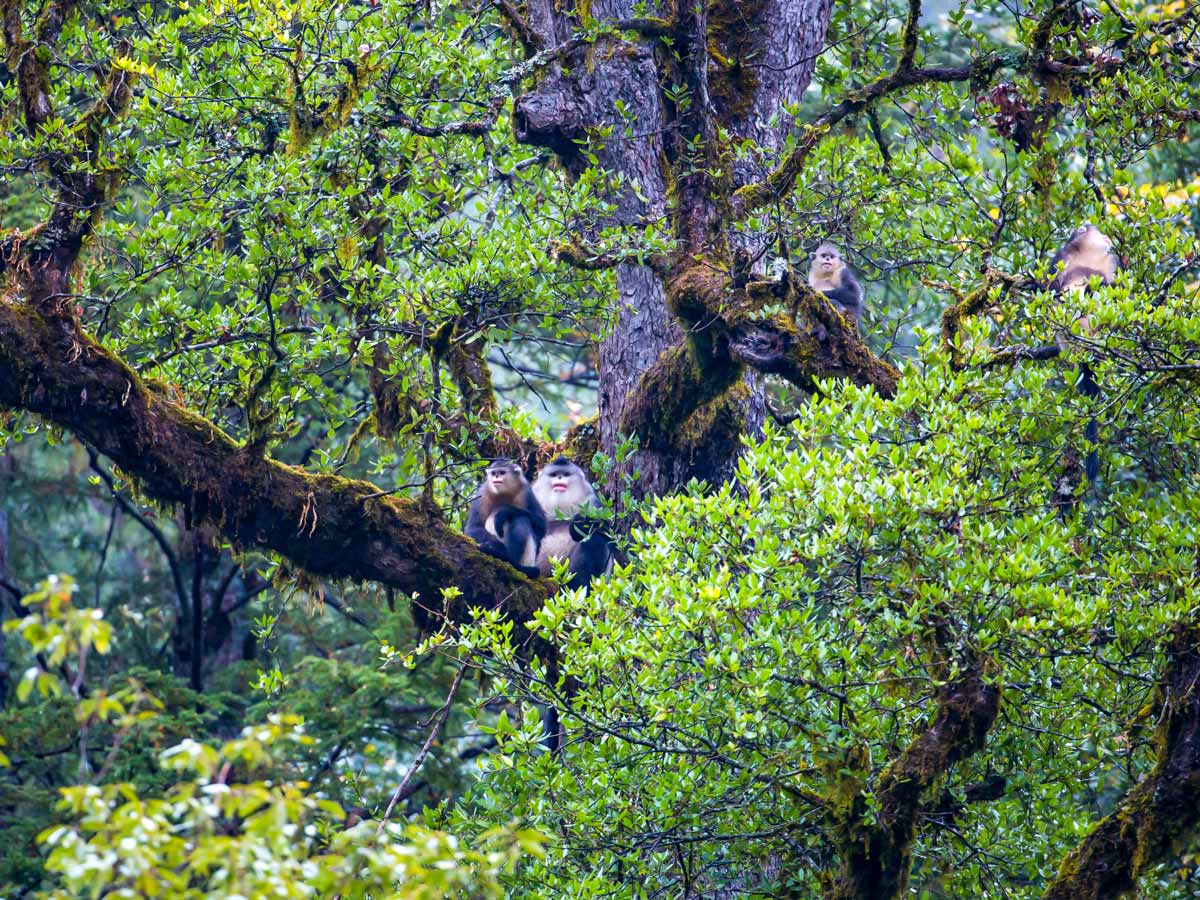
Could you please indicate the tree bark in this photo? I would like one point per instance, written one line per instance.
(1163, 809)
(876, 850)
(778, 39)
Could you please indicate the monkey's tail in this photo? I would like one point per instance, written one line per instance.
(1091, 432)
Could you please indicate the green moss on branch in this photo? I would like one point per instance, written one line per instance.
(330, 526)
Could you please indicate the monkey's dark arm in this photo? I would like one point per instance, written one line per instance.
(532, 512)
(1091, 431)
(848, 297)
(515, 524)
(590, 559)
(477, 531)
(594, 549)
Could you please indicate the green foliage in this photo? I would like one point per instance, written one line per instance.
(743, 686)
(217, 835)
(215, 830)
(301, 217)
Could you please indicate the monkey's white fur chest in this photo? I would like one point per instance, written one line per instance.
(821, 281)
(557, 544)
(560, 507)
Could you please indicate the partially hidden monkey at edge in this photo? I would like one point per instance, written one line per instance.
(506, 520)
(830, 275)
(1087, 254)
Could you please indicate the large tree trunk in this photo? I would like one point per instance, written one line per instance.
(768, 50)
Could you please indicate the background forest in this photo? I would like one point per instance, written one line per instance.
(277, 278)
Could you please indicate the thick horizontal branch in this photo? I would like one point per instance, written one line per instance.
(1163, 810)
(332, 527)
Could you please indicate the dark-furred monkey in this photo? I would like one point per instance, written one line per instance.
(831, 276)
(563, 490)
(506, 520)
(1087, 254)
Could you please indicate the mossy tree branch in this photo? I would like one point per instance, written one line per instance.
(1163, 809)
(331, 527)
(28, 58)
(729, 329)
(876, 848)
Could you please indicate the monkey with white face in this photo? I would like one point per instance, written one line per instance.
(506, 520)
(563, 490)
(1087, 254)
(831, 276)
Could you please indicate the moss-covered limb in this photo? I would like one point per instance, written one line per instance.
(43, 258)
(469, 370)
(1163, 809)
(875, 851)
(726, 332)
(306, 122)
(669, 392)
(29, 58)
(578, 256)
(912, 30)
(1010, 356)
(332, 527)
(815, 341)
(972, 304)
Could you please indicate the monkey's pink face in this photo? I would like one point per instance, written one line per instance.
(503, 479)
(1095, 241)
(560, 484)
(828, 261)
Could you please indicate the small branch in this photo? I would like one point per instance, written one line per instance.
(530, 42)
(580, 257)
(155, 532)
(471, 127)
(440, 721)
(197, 669)
(1013, 355)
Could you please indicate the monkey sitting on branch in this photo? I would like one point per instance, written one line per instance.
(505, 519)
(1087, 254)
(830, 275)
(563, 490)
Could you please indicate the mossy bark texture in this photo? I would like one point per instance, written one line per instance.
(330, 526)
(875, 850)
(1163, 809)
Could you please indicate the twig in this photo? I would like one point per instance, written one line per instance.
(440, 720)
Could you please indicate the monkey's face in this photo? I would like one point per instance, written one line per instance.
(1090, 240)
(1095, 241)
(562, 487)
(504, 479)
(829, 261)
